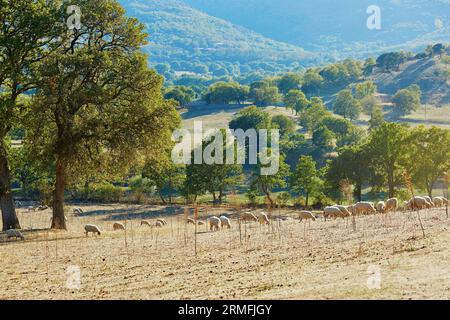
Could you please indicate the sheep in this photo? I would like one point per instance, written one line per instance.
(306, 215)
(429, 200)
(248, 216)
(190, 221)
(332, 212)
(118, 226)
(344, 210)
(391, 205)
(42, 208)
(14, 233)
(381, 207)
(226, 222)
(263, 219)
(145, 223)
(91, 228)
(438, 202)
(418, 203)
(77, 211)
(364, 207)
(443, 200)
(163, 221)
(214, 223)
(159, 224)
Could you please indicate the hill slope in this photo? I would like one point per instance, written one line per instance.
(189, 39)
(339, 27)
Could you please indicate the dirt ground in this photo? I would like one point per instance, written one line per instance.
(386, 258)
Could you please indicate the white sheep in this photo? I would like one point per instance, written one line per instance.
(118, 226)
(159, 224)
(381, 207)
(418, 203)
(364, 207)
(429, 200)
(332, 212)
(263, 219)
(438, 202)
(14, 233)
(77, 211)
(306, 215)
(214, 223)
(91, 228)
(391, 205)
(344, 210)
(226, 222)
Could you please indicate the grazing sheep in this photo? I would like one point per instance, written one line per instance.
(30, 208)
(91, 228)
(344, 210)
(14, 233)
(443, 200)
(419, 203)
(118, 226)
(77, 211)
(429, 200)
(42, 208)
(306, 215)
(391, 205)
(145, 223)
(190, 221)
(381, 207)
(438, 202)
(226, 222)
(364, 207)
(214, 223)
(163, 221)
(248, 216)
(159, 224)
(332, 212)
(263, 219)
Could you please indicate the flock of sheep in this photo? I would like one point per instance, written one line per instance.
(329, 212)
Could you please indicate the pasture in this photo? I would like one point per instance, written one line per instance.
(286, 260)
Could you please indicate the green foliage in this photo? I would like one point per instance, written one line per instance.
(407, 100)
(263, 93)
(306, 179)
(323, 138)
(376, 118)
(296, 100)
(285, 124)
(181, 94)
(312, 82)
(346, 105)
(365, 89)
(430, 156)
(313, 115)
(226, 92)
(391, 61)
(251, 118)
(288, 82)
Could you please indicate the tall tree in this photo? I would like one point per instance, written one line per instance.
(28, 29)
(98, 97)
(388, 148)
(431, 156)
(346, 105)
(306, 179)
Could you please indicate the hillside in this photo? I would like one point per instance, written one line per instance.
(338, 28)
(430, 74)
(190, 40)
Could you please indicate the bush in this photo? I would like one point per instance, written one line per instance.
(107, 192)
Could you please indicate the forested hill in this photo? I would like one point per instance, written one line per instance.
(190, 40)
(338, 28)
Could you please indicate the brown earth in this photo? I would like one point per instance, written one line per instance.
(288, 260)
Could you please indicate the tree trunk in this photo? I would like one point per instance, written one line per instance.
(358, 192)
(162, 197)
(307, 199)
(9, 216)
(59, 221)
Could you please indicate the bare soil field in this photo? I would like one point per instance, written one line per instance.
(286, 260)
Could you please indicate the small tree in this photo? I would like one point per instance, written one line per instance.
(346, 105)
(306, 178)
(407, 100)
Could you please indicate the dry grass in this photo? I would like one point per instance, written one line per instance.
(288, 260)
